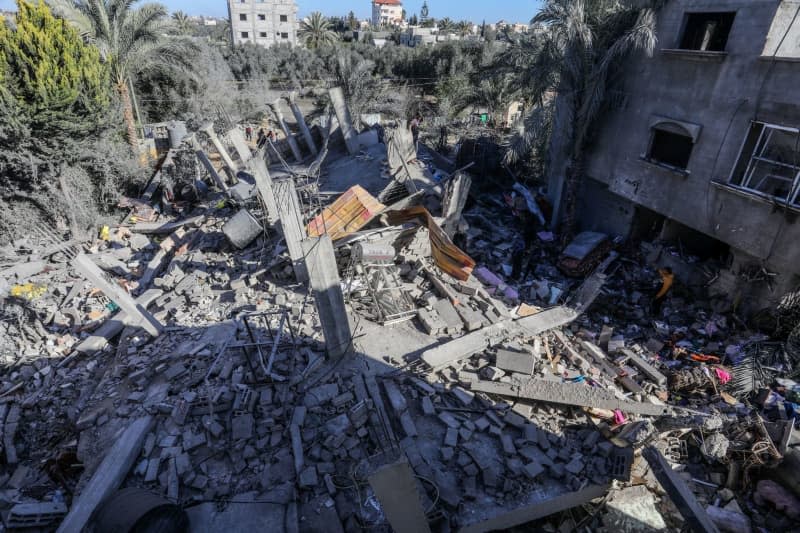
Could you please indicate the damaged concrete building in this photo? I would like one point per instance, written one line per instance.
(700, 148)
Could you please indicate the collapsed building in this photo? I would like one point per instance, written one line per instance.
(700, 149)
(326, 333)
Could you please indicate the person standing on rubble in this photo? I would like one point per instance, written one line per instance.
(248, 133)
(414, 126)
(667, 279)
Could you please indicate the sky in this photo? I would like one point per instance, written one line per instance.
(474, 10)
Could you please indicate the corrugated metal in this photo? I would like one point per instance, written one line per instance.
(349, 213)
(447, 255)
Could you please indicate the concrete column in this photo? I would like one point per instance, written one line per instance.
(276, 110)
(208, 129)
(125, 301)
(301, 122)
(258, 168)
(203, 158)
(292, 225)
(240, 144)
(324, 276)
(345, 120)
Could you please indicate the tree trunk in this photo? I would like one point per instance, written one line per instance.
(572, 184)
(127, 110)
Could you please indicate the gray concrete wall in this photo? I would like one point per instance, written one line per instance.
(721, 93)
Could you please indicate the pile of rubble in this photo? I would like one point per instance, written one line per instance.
(258, 358)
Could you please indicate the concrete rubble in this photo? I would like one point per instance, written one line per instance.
(334, 386)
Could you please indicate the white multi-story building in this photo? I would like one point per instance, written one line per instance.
(263, 22)
(387, 13)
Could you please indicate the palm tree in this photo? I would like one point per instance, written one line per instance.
(446, 24)
(315, 31)
(577, 57)
(131, 41)
(183, 24)
(464, 27)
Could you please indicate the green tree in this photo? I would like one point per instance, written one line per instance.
(183, 24)
(464, 27)
(582, 45)
(315, 31)
(446, 24)
(131, 41)
(352, 21)
(56, 85)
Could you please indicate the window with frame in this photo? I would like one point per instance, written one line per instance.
(262, 16)
(769, 162)
(242, 16)
(284, 18)
(284, 35)
(245, 35)
(262, 34)
(670, 145)
(707, 32)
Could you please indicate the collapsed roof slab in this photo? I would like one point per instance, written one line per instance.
(575, 394)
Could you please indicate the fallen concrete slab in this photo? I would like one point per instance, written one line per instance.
(463, 347)
(396, 490)
(537, 510)
(575, 394)
(108, 476)
(679, 493)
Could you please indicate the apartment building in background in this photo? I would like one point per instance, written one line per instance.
(263, 22)
(701, 148)
(387, 13)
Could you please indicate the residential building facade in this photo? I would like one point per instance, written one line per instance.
(387, 13)
(263, 22)
(702, 145)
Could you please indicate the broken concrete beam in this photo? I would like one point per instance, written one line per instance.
(323, 273)
(515, 361)
(444, 290)
(575, 394)
(574, 357)
(538, 509)
(345, 120)
(292, 225)
(301, 122)
(679, 492)
(125, 301)
(472, 343)
(158, 228)
(646, 368)
(297, 448)
(108, 476)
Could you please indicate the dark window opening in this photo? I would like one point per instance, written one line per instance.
(262, 34)
(245, 35)
(242, 17)
(670, 148)
(284, 35)
(262, 16)
(284, 18)
(707, 32)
